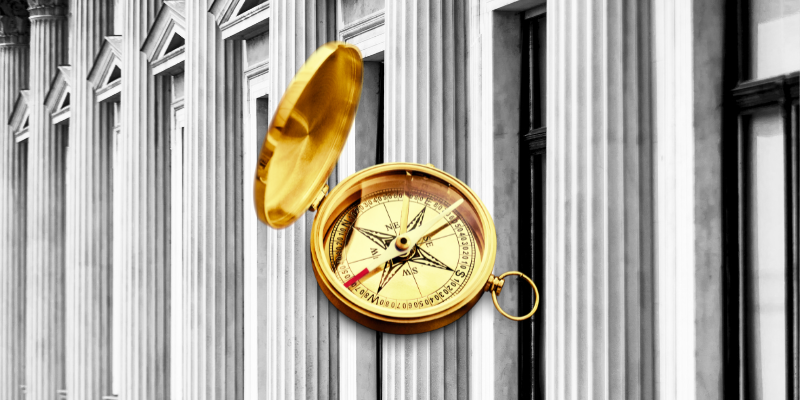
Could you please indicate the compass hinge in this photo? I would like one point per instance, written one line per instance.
(320, 196)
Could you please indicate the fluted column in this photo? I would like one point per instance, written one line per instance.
(14, 68)
(599, 267)
(142, 184)
(89, 208)
(303, 326)
(46, 208)
(212, 187)
(426, 122)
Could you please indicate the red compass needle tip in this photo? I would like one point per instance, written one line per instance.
(356, 277)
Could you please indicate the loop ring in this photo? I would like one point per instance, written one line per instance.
(535, 304)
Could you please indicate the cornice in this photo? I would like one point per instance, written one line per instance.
(235, 22)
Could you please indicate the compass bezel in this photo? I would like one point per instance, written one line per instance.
(419, 321)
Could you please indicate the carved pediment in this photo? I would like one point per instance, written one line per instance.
(57, 100)
(241, 19)
(20, 116)
(106, 73)
(165, 45)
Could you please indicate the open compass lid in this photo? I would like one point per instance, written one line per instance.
(307, 134)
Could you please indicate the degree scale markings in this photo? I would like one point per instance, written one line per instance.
(453, 270)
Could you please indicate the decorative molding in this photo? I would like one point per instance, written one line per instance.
(261, 68)
(105, 73)
(20, 117)
(41, 9)
(57, 99)
(165, 58)
(368, 33)
(537, 139)
(752, 95)
(237, 24)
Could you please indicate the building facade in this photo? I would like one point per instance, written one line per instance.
(639, 159)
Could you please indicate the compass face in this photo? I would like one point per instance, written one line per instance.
(433, 274)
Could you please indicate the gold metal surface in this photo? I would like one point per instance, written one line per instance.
(440, 277)
(495, 289)
(307, 134)
(414, 245)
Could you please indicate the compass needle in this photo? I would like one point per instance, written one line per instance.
(404, 213)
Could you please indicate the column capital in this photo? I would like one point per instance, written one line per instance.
(47, 8)
(14, 30)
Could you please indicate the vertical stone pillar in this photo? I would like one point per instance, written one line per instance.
(89, 238)
(303, 343)
(46, 208)
(14, 68)
(212, 187)
(426, 122)
(599, 268)
(142, 250)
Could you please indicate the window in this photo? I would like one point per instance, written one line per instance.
(760, 172)
(532, 201)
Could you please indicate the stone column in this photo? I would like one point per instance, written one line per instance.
(599, 244)
(14, 69)
(89, 208)
(303, 329)
(212, 187)
(46, 208)
(142, 184)
(426, 122)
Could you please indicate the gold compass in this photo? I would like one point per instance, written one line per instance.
(400, 247)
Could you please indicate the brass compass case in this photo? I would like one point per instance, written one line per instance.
(435, 282)
(402, 247)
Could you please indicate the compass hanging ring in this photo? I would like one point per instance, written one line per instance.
(496, 284)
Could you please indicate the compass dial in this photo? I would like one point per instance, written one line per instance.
(441, 270)
(429, 274)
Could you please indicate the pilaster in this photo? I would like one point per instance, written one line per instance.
(599, 243)
(426, 122)
(14, 69)
(46, 208)
(89, 212)
(142, 184)
(213, 335)
(303, 327)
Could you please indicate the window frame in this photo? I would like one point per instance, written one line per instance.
(742, 98)
(532, 169)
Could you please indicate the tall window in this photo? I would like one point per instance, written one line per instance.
(761, 192)
(533, 142)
